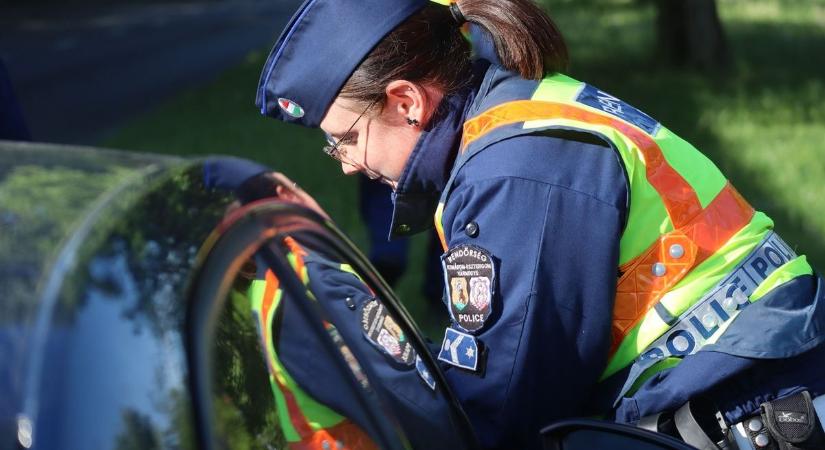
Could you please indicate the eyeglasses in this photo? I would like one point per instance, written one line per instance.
(334, 150)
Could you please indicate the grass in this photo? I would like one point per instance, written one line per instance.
(762, 121)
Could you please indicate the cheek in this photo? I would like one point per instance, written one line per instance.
(395, 146)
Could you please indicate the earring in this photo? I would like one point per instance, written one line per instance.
(413, 122)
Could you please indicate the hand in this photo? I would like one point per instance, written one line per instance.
(288, 190)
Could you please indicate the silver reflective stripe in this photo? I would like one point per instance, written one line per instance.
(741, 437)
(819, 406)
(703, 321)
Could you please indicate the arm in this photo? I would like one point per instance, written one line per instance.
(554, 237)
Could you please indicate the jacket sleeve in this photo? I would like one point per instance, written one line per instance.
(554, 238)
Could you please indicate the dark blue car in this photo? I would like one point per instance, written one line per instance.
(121, 325)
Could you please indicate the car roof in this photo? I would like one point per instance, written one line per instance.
(46, 192)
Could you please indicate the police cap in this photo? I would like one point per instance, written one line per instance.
(320, 48)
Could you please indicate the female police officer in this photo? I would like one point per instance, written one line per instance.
(544, 189)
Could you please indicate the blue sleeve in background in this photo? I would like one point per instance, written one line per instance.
(12, 124)
(229, 173)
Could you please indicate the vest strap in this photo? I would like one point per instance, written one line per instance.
(680, 199)
(649, 277)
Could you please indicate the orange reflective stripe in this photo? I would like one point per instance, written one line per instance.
(679, 198)
(639, 289)
(299, 253)
(271, 287)
(344, 436)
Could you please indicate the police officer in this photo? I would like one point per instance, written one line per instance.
(595, 263)
(316, 410)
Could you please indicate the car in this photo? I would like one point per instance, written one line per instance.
(126, 320)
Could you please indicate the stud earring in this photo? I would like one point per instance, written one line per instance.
(413, 122)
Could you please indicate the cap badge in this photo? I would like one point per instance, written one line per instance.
(291, 108)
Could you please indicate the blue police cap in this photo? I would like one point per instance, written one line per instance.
(320, 48)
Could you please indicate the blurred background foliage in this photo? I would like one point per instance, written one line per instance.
(752, 101)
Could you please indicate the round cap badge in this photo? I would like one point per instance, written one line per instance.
(291, 108)
(382, 331)
(470, 274)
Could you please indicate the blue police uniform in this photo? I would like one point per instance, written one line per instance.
(535, 219)
(550, 209)
(401, 379)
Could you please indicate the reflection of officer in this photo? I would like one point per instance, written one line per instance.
(315, 410)
(544, 188)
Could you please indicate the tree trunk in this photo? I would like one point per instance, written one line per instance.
(690, 34)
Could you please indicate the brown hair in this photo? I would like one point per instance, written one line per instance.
(428, 48)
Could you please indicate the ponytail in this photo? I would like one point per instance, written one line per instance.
(525, 38)
(429, 49)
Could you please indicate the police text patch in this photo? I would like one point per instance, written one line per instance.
(601, 100)
(469, 275)
(385, 334)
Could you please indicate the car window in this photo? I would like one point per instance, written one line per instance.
(309, 348)
(244, 406)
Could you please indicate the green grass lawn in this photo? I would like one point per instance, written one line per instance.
(762, 122)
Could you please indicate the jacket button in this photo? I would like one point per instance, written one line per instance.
(350, 303)
(762, 440)
(471, 229)
(659, 269)
(403, 228)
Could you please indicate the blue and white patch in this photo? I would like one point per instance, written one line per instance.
(459, 349)
(425, 374)
(603, 101)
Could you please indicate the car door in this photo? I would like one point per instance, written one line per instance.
(296, 342)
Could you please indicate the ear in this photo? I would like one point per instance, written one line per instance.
(408, 100)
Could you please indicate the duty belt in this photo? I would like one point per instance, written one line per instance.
(705, 320)
(793, 422)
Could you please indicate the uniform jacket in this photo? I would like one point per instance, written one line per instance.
(551, 208)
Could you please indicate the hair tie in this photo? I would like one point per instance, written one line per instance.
(457, 14)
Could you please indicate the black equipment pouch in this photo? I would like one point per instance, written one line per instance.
(793, 423)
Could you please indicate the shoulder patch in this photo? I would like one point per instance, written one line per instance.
(603, 101)
(469, 275)
(383, 333)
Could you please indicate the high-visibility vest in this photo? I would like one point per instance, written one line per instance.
(306, 423)
(687, 228)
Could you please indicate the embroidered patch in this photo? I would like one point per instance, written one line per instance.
(469, 275)
(459, 349)
(424, 373)
(291, 108)
(601, 100)
(385, 334)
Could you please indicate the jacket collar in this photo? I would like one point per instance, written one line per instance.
(430, 162)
